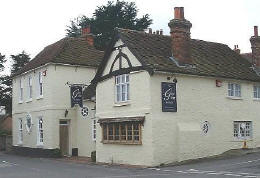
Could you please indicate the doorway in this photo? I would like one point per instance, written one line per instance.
(64, 137)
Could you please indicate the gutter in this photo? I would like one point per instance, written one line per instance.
(200, 76)
(51, 63)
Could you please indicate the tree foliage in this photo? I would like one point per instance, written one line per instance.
(2, 61)
(5, 96)
(106, 18)
(18, 61)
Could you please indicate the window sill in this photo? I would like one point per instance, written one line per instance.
(256, 99)
(19, 143)
(234, 98)
(20, 102)
(119, 104)
(39, 145)
(39, 97)
(29, 100)
(121, 142)
(242, 139)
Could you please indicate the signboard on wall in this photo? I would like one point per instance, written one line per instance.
(169, 101)
(76, 95)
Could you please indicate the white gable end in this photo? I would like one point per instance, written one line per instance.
(113, 63)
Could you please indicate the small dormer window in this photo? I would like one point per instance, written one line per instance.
(122, 88)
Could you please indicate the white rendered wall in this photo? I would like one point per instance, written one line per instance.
(56, 99)
(178, 136)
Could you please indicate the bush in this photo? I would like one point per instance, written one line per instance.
(93, 156)
(57, 153)
(4, 132)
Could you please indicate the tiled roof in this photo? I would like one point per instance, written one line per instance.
(211, 59)
(248, 56)
(74, 51)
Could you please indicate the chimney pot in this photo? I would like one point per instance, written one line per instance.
(161, 32)
(256, 31)
(179, 13)
(157, 32)
(85, 30)
(236, 49)
(150, 30)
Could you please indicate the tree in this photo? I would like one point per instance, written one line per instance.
(18, 62)
(106, 18)
(4, 91)
(2, 61)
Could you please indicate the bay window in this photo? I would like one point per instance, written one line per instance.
(122, 133)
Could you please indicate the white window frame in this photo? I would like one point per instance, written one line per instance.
(94, 129)
(20, 131)
(20, 90)
(40, 131)
(243, 130)
(30, 88)
(256, 92)
(234, 90)
(122, 85)
(40, 85)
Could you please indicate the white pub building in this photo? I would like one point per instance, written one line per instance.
(158, 99)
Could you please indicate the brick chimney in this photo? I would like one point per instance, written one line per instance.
(86, 33)
(255, 45)
(180, 34)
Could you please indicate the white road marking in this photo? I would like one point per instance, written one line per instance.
(139, 175)
(154, 169)
(234, 175)
(244, 173)
(193, 170)
(221, 173)
(215, 173)
(182, 172)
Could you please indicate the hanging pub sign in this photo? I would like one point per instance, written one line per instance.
(169, 102)
(76, 95)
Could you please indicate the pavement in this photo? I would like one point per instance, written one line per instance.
(245, 164)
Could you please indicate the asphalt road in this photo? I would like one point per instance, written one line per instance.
(12, 166)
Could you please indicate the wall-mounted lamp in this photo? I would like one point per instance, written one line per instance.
(66, 113)
(218, 83)
(174, 80)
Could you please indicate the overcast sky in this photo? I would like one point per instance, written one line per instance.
(31, 25)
